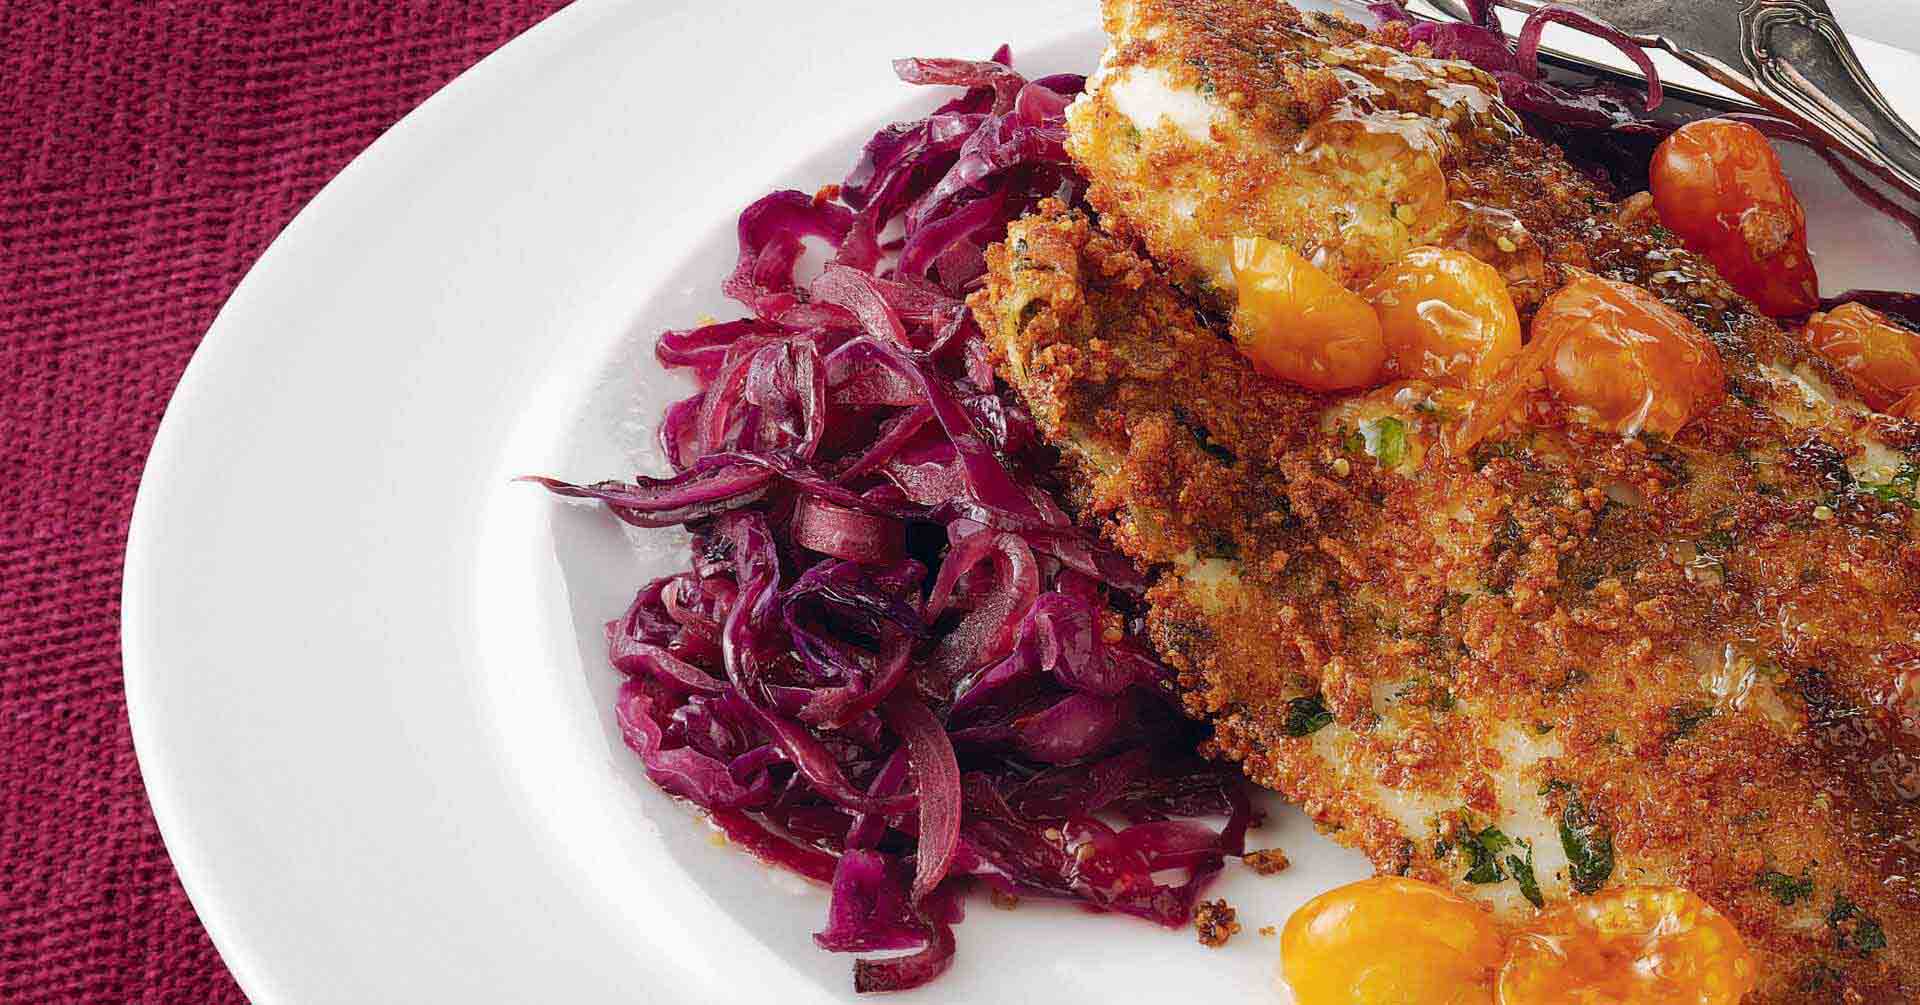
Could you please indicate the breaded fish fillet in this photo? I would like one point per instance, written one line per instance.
(1567, 660)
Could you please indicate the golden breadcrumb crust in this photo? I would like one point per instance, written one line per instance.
(1501, 637)
(1705, 648)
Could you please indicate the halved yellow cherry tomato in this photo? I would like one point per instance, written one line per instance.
(1628, 947)
(1717, 183)
(1295, 323)
(1882, 357)
(1390, 941)
(1446, 316)
(1636, 363)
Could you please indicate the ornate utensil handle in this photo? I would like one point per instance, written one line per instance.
(1796, 53)
(1787, 55)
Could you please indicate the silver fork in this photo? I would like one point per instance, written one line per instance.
(1788, 56)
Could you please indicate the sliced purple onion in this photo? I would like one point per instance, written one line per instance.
(846, 533)
(1527, 49)
(868, 909)
(936, 775)
(1005, 83)
(695, 494)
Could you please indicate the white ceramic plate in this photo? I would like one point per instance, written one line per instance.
(364, 668)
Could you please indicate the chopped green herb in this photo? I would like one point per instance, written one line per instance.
(1903, 488)
(1307, 716)
(1220, 546)
(1486, 452)
(1483, 850)
(1206, 85)
(1684, 719)
(1204, 438)
(1788, 890)
(1843, 908)
(1507, 537)
(1486, 864)
(1673, 464)
(1818, 977)
(1589, 846)
(1866, 936)
(1869, 936)
(1386, 440)
(1352, 442)
(1718, 540)
(1523, 874)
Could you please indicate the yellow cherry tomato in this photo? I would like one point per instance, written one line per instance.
(1634, 362)
(1628, 947)
(1882, 357)
(1390, 941)
(1446, 316)
(1295, 323)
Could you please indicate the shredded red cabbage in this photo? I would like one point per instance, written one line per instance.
(894, 664)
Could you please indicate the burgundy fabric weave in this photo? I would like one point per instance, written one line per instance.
(149, 151)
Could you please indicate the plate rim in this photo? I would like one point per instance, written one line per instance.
(159, 772)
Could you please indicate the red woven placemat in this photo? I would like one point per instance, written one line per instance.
(149, 151)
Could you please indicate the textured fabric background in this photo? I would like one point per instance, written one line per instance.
(149, 151)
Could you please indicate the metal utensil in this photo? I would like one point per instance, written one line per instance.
(1788, 56)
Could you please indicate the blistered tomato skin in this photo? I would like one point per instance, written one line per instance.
(1390, 941)
(1447, 317)
(1626, 947)
(1295, 323)
(1632, 362)
(1718, 185)
(1882, 357)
